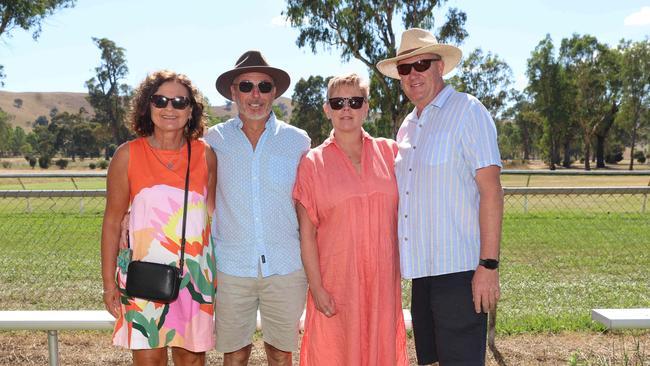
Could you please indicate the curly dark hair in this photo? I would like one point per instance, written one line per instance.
(140, 112)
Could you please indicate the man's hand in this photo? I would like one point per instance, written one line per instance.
(485, 289)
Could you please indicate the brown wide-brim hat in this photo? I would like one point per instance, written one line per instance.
(416, 41)
(253, 61)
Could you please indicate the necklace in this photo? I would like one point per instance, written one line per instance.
(169, 164)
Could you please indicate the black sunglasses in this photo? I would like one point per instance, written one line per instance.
(161, 101)
(419, 66)
(352, 102)
(264, 86)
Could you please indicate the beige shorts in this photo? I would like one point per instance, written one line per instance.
(280, 299)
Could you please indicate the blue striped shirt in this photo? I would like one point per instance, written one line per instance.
(439, 153)
(255, 220)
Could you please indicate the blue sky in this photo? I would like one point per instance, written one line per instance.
(203, 38)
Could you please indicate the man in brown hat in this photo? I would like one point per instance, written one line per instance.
(255, 229)
(451, 204)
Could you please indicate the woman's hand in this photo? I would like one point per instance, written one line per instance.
(112, 301)
(324, 301)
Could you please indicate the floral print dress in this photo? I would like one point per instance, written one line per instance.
(155, 224)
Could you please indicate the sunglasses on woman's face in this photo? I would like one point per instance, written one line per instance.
(161, 101)
(264, 86)
(352, 102)
(419, 66)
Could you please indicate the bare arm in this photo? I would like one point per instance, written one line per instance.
(117, 203)
(485, 284)
(309, 253)
(211, 159)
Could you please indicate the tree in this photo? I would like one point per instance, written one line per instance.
(5, 133)
(279, 112)
(307, 100)
(28, 15)
(584, 59)
(528, 121)
(364, 30)
(635, 75)
(106, 92)
(18, 141)
(486, 77)
(18, 103)
(40, 121)
(548, 91)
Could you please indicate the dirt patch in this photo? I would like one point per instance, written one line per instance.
(94, 348)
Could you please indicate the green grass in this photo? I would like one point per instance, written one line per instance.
(561, 257)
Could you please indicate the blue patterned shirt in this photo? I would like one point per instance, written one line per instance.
(255, 221)
(439, 153)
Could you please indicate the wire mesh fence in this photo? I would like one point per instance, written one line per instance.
(564, 251)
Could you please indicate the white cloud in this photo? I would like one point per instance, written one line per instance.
(640, 18)
(280, 21)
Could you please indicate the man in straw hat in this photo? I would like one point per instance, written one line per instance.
(255, 228)
(451, 204)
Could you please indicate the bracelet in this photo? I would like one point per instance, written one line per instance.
(110, 290)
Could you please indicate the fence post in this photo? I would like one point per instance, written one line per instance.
(29, 204)
(526, 196)
(53, 347)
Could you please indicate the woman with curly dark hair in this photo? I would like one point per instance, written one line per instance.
(147, 176)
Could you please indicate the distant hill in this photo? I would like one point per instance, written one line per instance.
(35, 104)
(26, 107)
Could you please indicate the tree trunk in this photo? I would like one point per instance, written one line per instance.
(566, 161)
(631, 167)
(587, 152)
(600, 151)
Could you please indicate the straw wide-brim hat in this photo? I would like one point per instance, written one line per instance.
(416, 41)
(253, 61)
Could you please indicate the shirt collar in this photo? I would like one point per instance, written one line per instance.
(332, 140)
(270, 122)
(438, 102)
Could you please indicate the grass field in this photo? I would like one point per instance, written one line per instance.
(561, 256)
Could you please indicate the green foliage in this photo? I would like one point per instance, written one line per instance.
(40, 121)
(28, 14)
(106, 92)
(6, 164)
(5, 133)
(92, 166)
(486, 77)
(308, 99)
(365, 30)
(586, 62)
(18, 103)
(548, 91)
(32, 162)
(279, 112)
(639, 156)
(61, 163)
(44, 161)
(103, 164)
(635, 75)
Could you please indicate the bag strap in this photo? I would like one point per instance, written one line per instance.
(187, 187)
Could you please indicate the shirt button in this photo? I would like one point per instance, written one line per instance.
(413, 147)
(420, 125)
(410, 169)
(406, 239)
(407, 192)
(406, 216)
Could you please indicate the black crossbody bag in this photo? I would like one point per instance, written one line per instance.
(155, 281)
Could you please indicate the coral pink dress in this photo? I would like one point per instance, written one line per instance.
(356, 220)
(157, 194)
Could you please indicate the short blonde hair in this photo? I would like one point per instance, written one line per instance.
(352, 80)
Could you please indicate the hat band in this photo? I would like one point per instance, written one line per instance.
(406, 52)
